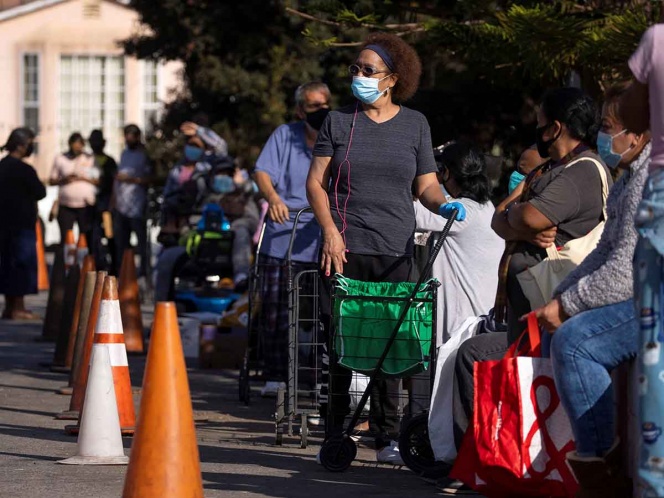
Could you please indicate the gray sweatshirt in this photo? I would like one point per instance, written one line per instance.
(606, 275)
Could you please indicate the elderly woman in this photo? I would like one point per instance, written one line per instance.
(592, 317)
(370, 159)
(20, 189)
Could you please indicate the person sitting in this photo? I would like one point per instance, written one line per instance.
(466, 290)
(529, 160)
(554, 205)
(187, 182)
(592, 316)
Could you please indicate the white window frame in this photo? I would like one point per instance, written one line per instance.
(23, 103)
(105, 123)
(156, 107)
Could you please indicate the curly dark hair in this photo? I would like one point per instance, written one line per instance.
(407, 63)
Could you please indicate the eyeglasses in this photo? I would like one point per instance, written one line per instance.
(368, 71)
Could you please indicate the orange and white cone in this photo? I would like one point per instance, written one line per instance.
(108, 335)
(99, 440)
(81, 248)
(70, 249)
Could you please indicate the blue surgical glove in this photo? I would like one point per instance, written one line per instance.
(445, 210)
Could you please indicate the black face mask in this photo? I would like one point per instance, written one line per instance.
(315, 119)
(543, 146)
(29, 150)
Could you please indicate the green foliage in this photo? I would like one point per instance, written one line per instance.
(485, 61)
(243, 62)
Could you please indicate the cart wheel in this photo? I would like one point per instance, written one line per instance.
(338, 453)
(304, 431)
(415, 448)
(279, 416)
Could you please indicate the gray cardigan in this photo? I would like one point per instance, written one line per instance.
(606, 275)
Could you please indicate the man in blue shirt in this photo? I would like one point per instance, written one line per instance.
(281, 174)
(131, 195)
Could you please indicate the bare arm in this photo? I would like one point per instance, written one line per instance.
(334, 248)
(278, 211)
(427, 190)
(526, 223)
(635, 108)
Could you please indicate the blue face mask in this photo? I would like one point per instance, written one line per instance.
(515, 178)
(366, 89)
(192, 153)
(223, 184)
(605, 149)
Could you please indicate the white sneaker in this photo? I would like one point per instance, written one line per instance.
(269, 390)
(390, 454)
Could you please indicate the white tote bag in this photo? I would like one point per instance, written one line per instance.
(441, 431)
(540, 281)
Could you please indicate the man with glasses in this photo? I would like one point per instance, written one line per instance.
(281, 173)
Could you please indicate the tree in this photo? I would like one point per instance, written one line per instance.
(242, 63)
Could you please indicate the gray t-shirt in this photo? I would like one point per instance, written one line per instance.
(572, 199)
(371, 185)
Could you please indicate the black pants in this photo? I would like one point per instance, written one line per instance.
(384, 415)
(83, 217)
(484, 347)
(123, 226)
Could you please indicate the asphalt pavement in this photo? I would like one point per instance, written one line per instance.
(236, 442)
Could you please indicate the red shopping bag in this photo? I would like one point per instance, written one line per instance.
(520, 434)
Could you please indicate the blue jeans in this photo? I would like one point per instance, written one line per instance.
(584, 350)
(649, 293)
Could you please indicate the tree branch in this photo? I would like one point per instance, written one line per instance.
(413, 26)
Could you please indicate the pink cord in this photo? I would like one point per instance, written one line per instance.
(342, 217)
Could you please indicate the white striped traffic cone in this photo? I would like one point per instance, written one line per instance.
(109, 335)
(99, 440)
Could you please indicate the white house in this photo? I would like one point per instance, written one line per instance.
(63, 70)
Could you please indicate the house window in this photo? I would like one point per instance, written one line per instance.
(30, 91)
(92, 95)
(150, 104)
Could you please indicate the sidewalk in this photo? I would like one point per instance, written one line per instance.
(236, 443)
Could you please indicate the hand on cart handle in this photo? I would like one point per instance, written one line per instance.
(451, 209)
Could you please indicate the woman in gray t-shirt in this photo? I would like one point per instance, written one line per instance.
(369, 160)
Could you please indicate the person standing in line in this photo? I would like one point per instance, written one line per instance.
(281, 173)
(20, 189)
(108, 168)
(75, 174)
(367, 215)
(130, 197)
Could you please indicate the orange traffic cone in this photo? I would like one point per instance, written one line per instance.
(164, 454)
(42, 270)
(86, 302)
(82, 371)
(66, 319)
(130, 304)
(70, 249)
(88, 266)
(108, 335)
(81, 248)
(56, 296)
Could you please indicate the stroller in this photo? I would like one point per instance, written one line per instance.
(338, 451)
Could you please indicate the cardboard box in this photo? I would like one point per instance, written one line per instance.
(222, 347)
